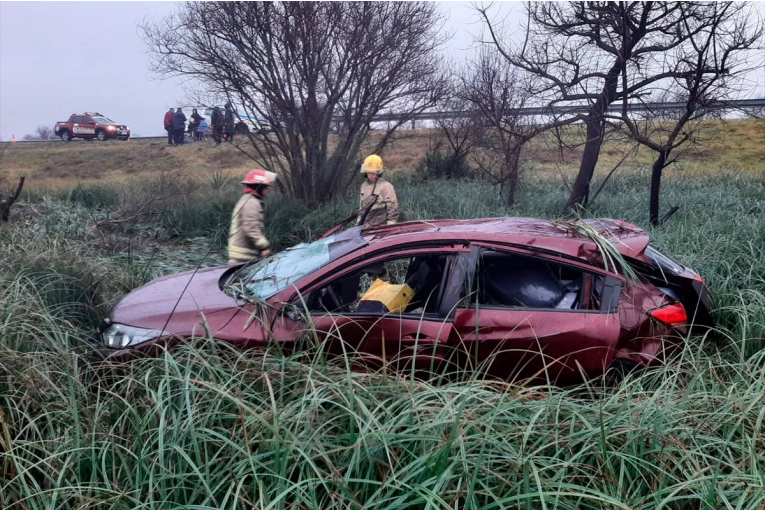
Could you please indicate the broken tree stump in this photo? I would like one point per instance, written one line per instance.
(6, 203)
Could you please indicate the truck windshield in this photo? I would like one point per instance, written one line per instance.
(103, 120)
(277, 272)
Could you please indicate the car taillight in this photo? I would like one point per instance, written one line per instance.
(670, 314)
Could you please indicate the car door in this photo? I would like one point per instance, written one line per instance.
(88, 126)
(527, 317)
(409, 326)
(78, 128)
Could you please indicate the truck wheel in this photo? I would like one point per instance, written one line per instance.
(101, 135)
(66, 136)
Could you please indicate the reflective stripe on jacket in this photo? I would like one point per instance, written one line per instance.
(247, 235)
(385, 210)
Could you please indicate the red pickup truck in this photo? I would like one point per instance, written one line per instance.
(89, 126)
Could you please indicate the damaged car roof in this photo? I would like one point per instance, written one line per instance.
(568, 238)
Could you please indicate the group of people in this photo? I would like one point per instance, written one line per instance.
(247, 239)
(223, 125)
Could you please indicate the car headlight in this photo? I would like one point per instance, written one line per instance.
(112, 128)
(120, 335)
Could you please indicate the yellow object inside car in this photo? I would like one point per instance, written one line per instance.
(394, 298)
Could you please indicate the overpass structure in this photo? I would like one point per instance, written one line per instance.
(741, 104)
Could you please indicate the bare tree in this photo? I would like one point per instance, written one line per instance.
(497, 92)
(317, 72)
(41, 133)
(451, 143)
(592, 54)
(713, 63)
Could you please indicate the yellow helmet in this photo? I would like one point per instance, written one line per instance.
(372, 165)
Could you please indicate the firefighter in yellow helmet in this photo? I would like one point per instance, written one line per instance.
(385, 209)
(247, 237)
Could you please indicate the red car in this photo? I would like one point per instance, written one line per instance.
(519, 298)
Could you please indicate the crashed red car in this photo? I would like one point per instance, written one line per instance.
(519, 298)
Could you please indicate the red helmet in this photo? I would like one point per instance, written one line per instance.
(260, 176)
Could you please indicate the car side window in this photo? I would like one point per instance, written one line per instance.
(510, 280)
(77, 120)
(405, 285)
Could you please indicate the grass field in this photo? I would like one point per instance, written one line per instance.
(207, 427)
(731, 145)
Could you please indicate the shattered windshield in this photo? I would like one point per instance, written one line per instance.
(277, 272)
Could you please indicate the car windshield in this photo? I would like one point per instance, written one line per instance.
(103, 120)
(277, 272)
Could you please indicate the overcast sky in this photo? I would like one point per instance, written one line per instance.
(59, 58)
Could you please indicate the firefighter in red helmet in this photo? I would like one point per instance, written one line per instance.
(247, 237)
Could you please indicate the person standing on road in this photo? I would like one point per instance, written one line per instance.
(230, 123)
(194, 122)
(195, 125)
(385, 209)
(179, 124)
(202, 132)
(169, 126)
(216, 119)
(247, 238)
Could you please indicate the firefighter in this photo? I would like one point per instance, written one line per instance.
(247, 238)
(385, 209)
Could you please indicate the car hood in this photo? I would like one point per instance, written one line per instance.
(177, 303)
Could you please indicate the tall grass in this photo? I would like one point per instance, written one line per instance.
(205, 426)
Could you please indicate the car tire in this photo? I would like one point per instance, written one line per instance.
(619, 369)
(66, 136)
(101, 135)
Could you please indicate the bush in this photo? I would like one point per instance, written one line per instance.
(439, 165)
(94, 197)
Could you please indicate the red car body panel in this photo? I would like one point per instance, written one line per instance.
(516, 343)
(179, 304)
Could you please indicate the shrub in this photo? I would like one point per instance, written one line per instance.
(95, 196)
(439, 165)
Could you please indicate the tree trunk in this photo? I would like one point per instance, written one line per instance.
(596, 128)
(581, 189)
(656, 171)
(513, 160)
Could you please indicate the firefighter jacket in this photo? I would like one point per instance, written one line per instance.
(247, 236)
(385, 210)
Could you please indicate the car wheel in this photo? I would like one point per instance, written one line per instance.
(619, 369)
(66, 136)
(101, 135)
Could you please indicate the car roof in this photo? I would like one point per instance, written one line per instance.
(565, 237)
